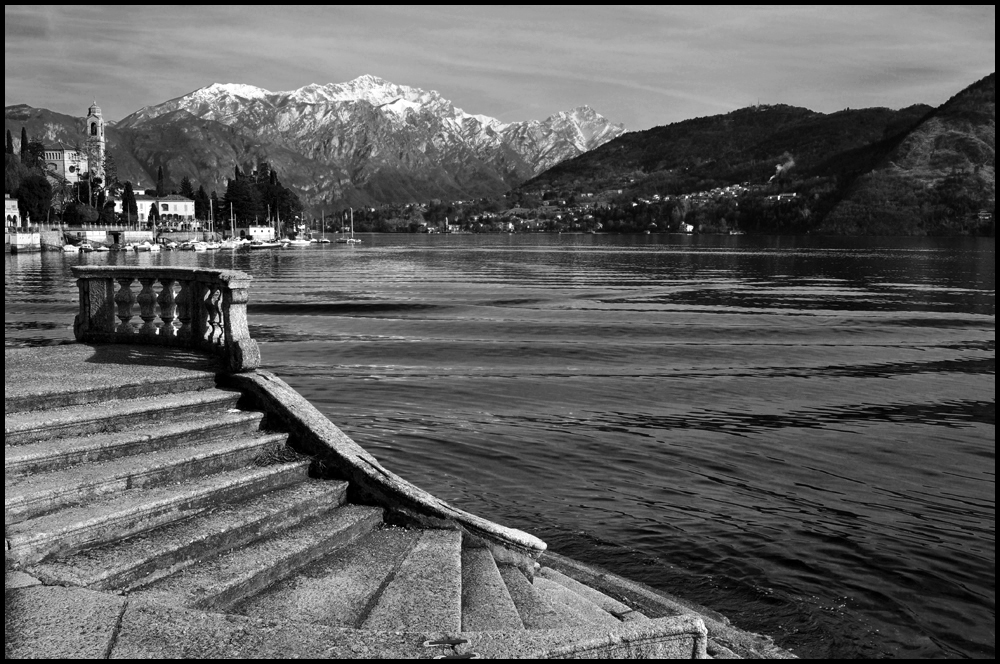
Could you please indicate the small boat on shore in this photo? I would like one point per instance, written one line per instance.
(257, 244)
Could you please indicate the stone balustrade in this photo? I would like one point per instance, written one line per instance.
(188, 308)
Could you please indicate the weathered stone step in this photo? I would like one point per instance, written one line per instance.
(68, 396)
(34, 495)
(486, 602)
(108, 417)
(585, 611)
(536, 612)
(219, 583)
(426, 593)
(147, 557)
(52, 455)
(608, 604)
(337, 590)
(120, 516)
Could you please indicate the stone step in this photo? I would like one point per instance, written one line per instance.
(536, 612)
(426, 593)
(220, 583)
(52, 455)
(585, 611)
(147, 557)
(112, 416)
(340, 589)
(608, 604)
(117, 517)
(34, 495)
(72, 396)
(486, 602)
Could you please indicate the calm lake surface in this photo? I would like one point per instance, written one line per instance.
(796, 432)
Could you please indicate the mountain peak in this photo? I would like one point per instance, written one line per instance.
(235, 89)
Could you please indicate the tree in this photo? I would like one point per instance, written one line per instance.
(129, 207)
(11, 174)
(216, 205)
(34, 197)
(244, 200)
(10, 143)
(154, 214)
(187, 189)
(33, 154)
(111, 174)
(24, 143)
(76, 214)
(160, 191)
(202, 204)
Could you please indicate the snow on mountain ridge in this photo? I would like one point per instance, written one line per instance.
(394, 141)
(234, 89)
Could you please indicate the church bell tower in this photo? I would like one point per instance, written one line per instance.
(95, 141)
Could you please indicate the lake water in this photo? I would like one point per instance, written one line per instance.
(796, 432)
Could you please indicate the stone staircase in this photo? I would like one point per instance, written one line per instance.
(179, 497)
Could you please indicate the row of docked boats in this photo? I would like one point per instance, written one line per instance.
(202, 247)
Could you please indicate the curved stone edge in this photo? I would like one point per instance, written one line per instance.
(724, 640)
(371, 483)
(71, 622)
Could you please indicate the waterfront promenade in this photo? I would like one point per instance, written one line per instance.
(165, 497)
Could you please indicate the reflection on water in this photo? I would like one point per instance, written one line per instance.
(797, 432)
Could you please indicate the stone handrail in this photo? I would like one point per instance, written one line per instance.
(188, 308)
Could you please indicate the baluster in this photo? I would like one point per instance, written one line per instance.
(168, 308)
(125, 299)
(185, 310)
(147, 307)
(214, 334)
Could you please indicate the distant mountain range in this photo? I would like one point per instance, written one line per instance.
(918, 170)
(367, 141)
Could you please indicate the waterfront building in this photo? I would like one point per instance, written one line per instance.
(257, 232)
(172, 208)
(11, 213)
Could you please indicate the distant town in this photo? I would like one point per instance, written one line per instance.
(74, 190)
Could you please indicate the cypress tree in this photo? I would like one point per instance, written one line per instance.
(24, 143)
(202, 204)
(129, 207)
(159, 182)
(10, 143)
(187, 189)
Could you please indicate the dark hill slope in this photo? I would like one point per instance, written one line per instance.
(745, 145)
(935, 179)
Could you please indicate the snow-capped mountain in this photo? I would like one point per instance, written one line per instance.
(367, 140)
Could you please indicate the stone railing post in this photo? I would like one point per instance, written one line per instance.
(197, 309)
(241, 349)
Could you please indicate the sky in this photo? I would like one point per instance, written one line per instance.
(642, 66)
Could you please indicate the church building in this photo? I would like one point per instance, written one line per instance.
(66, 164)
